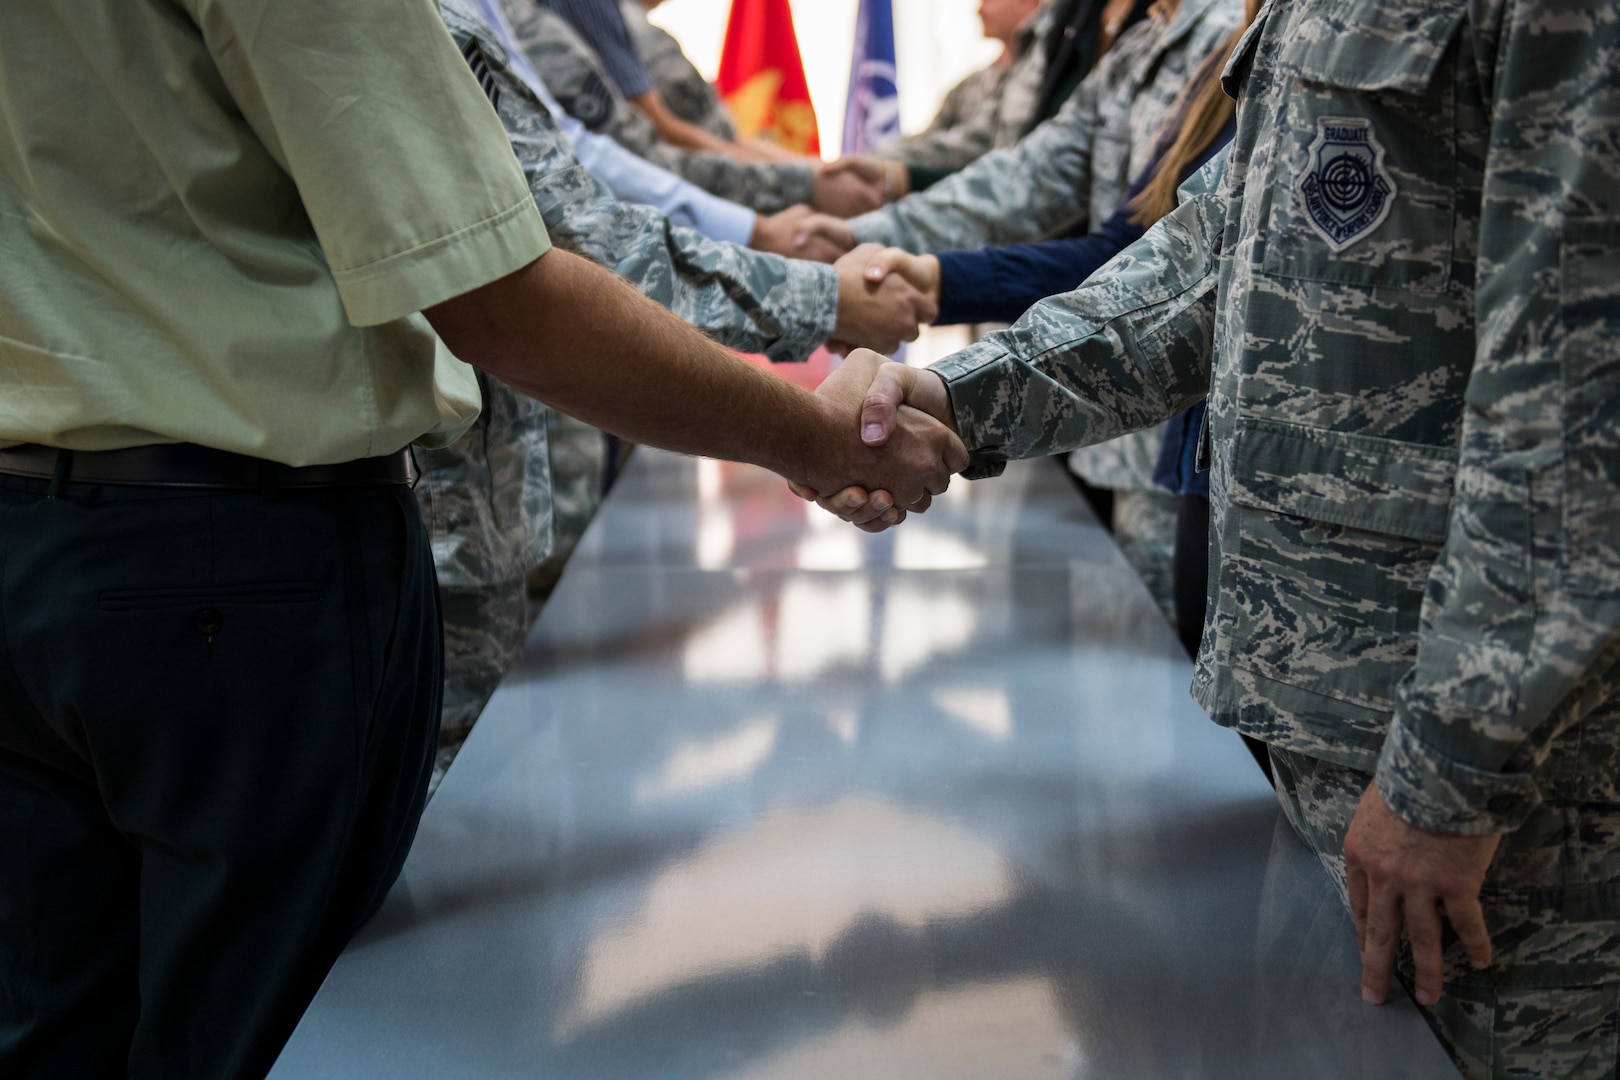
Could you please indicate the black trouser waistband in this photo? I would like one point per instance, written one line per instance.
(187, 465)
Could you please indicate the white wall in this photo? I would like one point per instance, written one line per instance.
(936, 43)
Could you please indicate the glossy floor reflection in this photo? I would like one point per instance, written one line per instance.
(768, 798)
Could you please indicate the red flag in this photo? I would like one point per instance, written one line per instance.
(762, 77)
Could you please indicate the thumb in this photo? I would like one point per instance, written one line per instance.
(829, 228)
(880, 410)
(885, 262)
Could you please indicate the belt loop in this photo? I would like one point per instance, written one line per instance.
(59, 475)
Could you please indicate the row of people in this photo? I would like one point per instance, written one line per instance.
(1301, 665)
(245, 246)
(1173, 120)
(1398, 288)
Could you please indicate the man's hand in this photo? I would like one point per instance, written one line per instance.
(876, 313)
(922, 271)
(849, 186)
(892, 394)
(1402, 876)
(921, 451)
(800, 233)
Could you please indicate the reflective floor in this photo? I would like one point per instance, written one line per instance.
(769, 798)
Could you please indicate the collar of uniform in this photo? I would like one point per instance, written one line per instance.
(1187, 16)
(1237, 68)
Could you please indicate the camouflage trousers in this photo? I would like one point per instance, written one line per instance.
(515, 491)
(1548, 1007)
(484, 627)
(1145, 530)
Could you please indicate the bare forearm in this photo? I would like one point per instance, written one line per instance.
(578, 338)
(675, 131)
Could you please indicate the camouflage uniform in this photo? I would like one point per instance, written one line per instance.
(575, 77)
(1070, 172)
(1403, 301)
(525, 480)
(682, 86)
(986, 111)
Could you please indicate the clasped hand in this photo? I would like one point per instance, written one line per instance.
(897, 405)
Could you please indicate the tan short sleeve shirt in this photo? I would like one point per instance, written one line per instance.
(219, 218)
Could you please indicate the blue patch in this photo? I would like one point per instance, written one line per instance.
(1348, 192)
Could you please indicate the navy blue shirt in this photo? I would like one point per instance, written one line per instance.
(601, 24)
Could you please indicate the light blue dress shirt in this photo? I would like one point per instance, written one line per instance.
(629, 177)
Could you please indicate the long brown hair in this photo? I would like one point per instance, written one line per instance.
(1202, 112)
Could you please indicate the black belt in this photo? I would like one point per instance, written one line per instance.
(187, 465)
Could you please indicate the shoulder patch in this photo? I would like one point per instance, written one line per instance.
(1347, 192)
(593, 105)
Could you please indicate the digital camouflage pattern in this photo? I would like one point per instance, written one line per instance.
(1069, 172)
(1548, 1006)
(575, 78)
(1075, 168)
(962, 131)
(682, 86)
(1415, 557)
(1144, 530)
(525, 480)
(986, 111)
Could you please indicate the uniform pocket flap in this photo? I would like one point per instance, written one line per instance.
(1375, 44)
(1381, 485)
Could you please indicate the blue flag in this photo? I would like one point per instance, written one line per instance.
(872, 113)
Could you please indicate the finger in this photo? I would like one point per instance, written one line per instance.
(846, 503)
(884, 523)
(1356, 880)
(1422, 917)
(1468, 919)
(921, 505)
(879, 507)
(1383, 934)
(880, 410)
(883, 262)
(803, 492)
(831, 230)
(924, 308)
(815, 249)
(956, 454)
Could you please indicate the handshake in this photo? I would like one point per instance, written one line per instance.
(909, 445)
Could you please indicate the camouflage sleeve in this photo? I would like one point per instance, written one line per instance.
(763, 187)
(964, 130)
(744, 299)
(1521, 616)
(1030, 191)
(1128, 349)
(575, 77)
